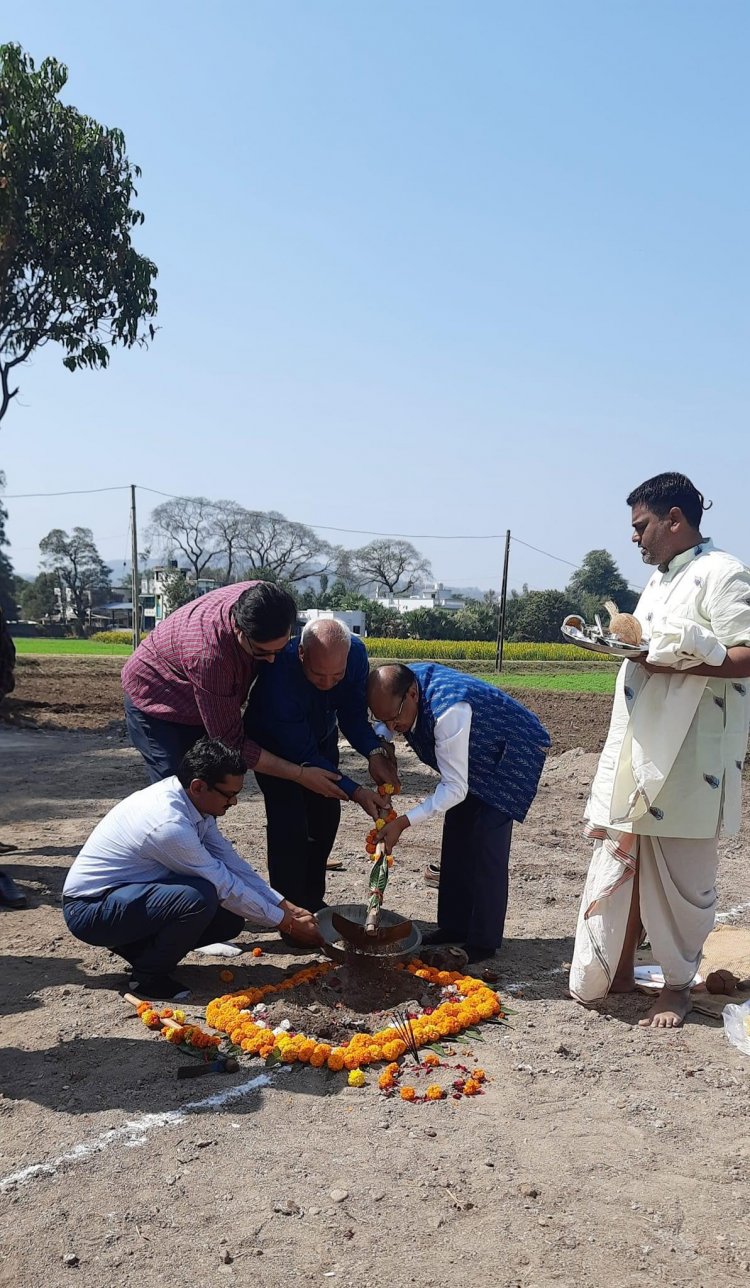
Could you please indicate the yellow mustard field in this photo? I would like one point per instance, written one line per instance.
(474, 651)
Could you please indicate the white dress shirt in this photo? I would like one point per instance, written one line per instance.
(157, 832)
(452, 731)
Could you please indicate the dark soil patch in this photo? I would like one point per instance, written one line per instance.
(81, 693)
(347, 1001)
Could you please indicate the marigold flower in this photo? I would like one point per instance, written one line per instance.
(395, 1049)
(434, 1092)
(471, 1088)
(257, 952)
(478, 1075)
(407, 1093)
(356, 1078)
(430, 1058)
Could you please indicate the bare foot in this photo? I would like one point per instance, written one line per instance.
(670, 1010)
(623, 983)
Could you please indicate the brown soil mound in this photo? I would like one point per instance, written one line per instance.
(81, 693)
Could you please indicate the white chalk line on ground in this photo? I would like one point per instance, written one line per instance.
(133, 1132)
(136, 1130)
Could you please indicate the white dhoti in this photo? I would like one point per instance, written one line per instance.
(677, 888)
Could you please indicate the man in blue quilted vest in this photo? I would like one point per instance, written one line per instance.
(489, 751)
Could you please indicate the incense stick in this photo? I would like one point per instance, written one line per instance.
(402, 1022)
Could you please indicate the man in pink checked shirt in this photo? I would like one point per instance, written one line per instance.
(190, 678)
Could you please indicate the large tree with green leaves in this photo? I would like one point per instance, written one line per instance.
(37, 598)
(69, 272)
(598, 579)
(76, 562)
(537, 615)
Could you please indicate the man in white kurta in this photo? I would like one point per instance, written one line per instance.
(669, 778)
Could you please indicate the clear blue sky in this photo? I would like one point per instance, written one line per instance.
(423, 267)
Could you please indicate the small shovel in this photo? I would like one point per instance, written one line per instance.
(356, 934)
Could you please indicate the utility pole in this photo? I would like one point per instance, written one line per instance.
(134, 574)
(503, 602)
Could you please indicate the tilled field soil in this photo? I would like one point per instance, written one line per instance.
(84, 693)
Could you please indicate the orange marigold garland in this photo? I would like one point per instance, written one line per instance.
(177, 1031)
(469, 1002)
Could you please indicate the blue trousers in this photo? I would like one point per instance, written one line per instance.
(153, 925)
(162, 743)
(473, 891)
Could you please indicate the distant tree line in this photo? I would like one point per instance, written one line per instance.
(224, 542)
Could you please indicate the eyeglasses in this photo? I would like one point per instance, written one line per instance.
(391, 719)
(262, 654)
(228, 796)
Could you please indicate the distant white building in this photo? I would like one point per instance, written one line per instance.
(353, 618)
(435, 596)
(152, 595)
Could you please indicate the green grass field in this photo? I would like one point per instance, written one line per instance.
(547, 678)
(556, 681)
(67, 648)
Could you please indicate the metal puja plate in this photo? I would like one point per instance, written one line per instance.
(609, 645)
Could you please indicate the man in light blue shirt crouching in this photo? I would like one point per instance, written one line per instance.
(157, 879)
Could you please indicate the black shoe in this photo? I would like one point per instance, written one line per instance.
(479, 952)
(441, 936)
(161, 987)
(10, 894)
(7, 849)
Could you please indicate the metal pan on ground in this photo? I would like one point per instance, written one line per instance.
(387, 953)
(575, 631)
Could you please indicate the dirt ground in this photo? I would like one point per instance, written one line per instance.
(600, 1153)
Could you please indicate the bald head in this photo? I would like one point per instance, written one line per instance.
(393, 696)
(324, 652)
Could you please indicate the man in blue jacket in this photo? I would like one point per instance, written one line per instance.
(489, 751)
(317, 686)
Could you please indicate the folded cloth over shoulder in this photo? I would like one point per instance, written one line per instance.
(682, 643)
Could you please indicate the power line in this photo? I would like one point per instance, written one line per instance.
(414, 536)
(172, 496)
(549, 555)
(325, 527)
(88, 491)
